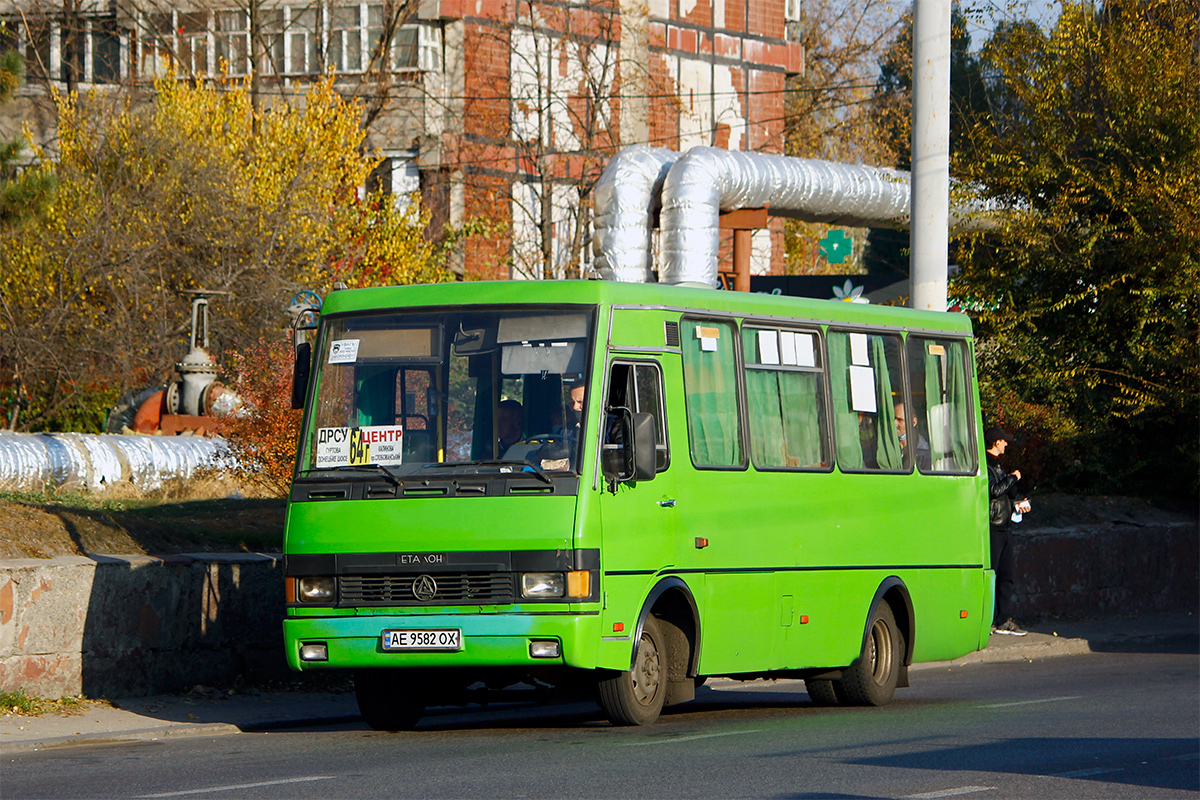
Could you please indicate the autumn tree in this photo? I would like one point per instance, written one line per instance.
(197, 189)
(1086, 297)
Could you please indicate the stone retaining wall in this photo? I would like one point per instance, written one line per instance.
(120, 627)
(137, 625)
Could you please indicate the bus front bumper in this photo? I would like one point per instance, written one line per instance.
(486, 640)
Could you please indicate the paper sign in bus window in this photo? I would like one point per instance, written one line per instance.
(806, 350)
(858, 349)
(796, 349)
(343, 351)
(347, 447)
(708, 338)
(768, 347)
(862, 390)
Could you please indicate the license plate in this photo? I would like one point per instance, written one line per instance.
(441, 639)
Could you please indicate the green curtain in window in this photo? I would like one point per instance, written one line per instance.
(767, 444)
(376, 395)
(800, 399)
(845, 420)
(958, 392)
(710, 385)
(888, 454)
(939, 445)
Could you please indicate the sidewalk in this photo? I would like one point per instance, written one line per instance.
(211, 712)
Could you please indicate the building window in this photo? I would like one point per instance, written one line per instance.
(233, 42)
(345, 39)
(105, 52)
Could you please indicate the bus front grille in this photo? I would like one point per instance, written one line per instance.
(442, 589)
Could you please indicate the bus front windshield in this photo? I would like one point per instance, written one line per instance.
(471, 391)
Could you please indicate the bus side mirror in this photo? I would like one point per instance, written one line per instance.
(628, 452)
(645, 439)
(300, 374)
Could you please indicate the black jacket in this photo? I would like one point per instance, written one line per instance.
(1002, 493)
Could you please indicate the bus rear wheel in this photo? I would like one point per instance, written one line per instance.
(387, 703)
(635, 696)
(871, 679)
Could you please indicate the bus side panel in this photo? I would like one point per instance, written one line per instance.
(939, 600)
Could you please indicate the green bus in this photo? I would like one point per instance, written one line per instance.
(628, 488)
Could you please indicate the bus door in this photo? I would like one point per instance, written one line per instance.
(638, 516)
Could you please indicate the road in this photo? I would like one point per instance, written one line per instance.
(1090, 726)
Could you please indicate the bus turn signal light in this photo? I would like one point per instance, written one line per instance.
(962, 614)
(579, 583)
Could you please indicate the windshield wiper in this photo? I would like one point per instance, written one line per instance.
(378, 468)
(524, 465)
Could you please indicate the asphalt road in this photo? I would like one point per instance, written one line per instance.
(1115, 725)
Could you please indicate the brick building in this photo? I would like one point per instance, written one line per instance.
(502, 109)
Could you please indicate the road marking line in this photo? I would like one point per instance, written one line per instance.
(688, 738)
(949, 792)
(238, 786)
(1083, 773)
(1032, 702)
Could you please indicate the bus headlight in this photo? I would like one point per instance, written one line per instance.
(315, 590)
(542, 584)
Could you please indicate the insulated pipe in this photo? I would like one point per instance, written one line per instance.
(929, 235)
(707, 180)
(696, 187)
(626, 198)
(31, 462)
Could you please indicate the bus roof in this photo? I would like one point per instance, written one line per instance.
(655, 295)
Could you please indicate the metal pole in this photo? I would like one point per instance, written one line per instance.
(930, 199)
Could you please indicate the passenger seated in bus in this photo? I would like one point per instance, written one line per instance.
(904, 424)
(510, 424)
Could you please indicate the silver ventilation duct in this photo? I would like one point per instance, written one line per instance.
(705, 181)
(31, 462)
(626, 202)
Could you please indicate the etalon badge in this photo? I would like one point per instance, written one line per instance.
(424, 588)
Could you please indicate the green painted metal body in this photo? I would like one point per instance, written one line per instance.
(782, 567)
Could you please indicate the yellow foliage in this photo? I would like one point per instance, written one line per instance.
(196, 188)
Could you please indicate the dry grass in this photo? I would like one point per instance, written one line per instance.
(207, 514)
(19, 704)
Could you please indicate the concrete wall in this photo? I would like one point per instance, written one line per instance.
(120, 627)
(136, 625)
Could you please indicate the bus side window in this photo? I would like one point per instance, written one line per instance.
(710, 393)
(941, 390)
(638, 387)
(785, 393)
(866, 382)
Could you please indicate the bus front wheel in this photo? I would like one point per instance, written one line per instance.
(385, 701)
(871, 679)
(635, 696)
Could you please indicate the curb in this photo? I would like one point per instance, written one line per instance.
(179, 730)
